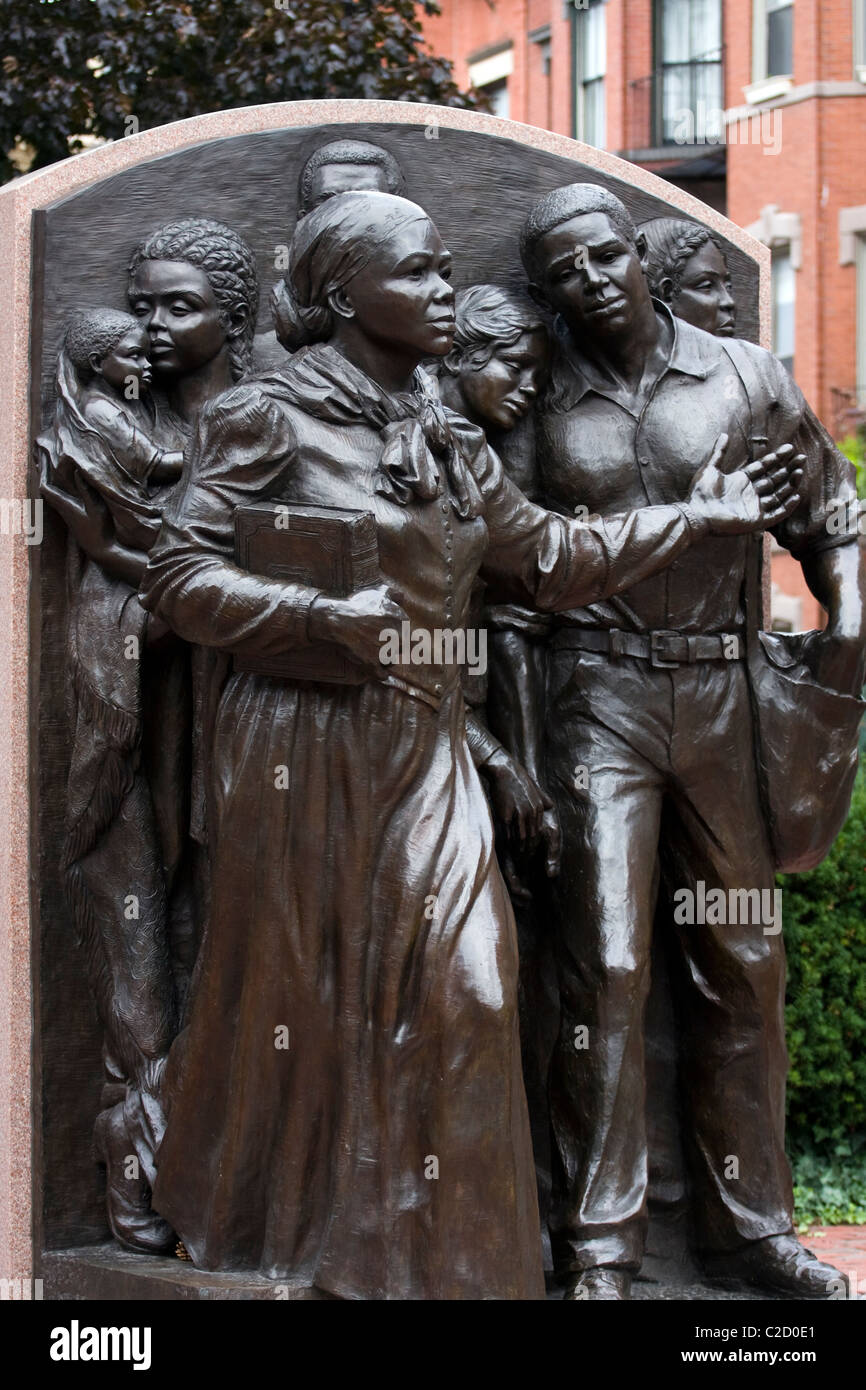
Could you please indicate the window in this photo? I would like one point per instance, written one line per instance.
(860, 262)
(772, 39)
(689, 69)
(490, 72)
(497, 95)
(590, 66)
(783, 291)
(780, 37)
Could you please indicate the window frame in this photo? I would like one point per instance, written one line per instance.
(761, 45)
(659, 66)
(579, 85)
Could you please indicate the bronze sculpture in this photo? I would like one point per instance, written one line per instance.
(649, 745)
(492, 377)
(107, 467)
(686, 268)
(339, 166)
(345, 1103)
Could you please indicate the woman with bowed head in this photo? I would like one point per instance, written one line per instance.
(346, 1109)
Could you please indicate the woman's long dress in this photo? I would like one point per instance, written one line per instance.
(346, 1103)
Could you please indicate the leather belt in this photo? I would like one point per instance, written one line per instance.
(661, 649)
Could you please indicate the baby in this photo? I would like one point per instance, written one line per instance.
(103, 425)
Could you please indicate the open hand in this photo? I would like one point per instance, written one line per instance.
(753, 497)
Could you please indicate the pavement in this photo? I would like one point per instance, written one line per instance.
(842, 1246)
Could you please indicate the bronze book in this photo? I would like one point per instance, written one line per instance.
(332, 549)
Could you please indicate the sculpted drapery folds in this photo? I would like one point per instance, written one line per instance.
(394, 969)
(302, 949)
(109, 464)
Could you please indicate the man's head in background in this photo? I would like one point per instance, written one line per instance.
(347, 166)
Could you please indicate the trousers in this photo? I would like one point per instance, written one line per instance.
(653, 768)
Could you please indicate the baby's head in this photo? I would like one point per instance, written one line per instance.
(110, 344)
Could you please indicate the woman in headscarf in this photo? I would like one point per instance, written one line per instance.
(345, 1106)
(686, 268)
(127, 857)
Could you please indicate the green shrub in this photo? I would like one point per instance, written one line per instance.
(830, 1189)
(853, 446)
(825, 934)
(824, 916)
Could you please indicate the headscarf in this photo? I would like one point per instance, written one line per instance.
(420, 450)
(426, 448)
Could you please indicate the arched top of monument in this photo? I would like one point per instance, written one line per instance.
(69, 176)
(477, 175)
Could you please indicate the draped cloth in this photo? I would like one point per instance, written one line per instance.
(425, 448)
(345, 1105)
(126, 794)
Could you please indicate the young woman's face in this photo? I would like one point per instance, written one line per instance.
(127, 359)
(402, 298)
(501, 391)
(704, 296)
(178, 308)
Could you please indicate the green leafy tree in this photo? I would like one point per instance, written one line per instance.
(73, 69)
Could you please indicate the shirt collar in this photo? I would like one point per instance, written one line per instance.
(577, 374)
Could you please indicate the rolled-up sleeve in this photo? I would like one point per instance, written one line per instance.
(555, 563)
(243, 448)
(827, 515)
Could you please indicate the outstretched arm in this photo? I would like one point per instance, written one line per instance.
(556, 563)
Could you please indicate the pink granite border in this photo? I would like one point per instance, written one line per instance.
(17, 202)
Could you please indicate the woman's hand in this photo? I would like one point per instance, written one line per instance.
(523, 807)
(357, 623)
(86, 515)
(752, 498)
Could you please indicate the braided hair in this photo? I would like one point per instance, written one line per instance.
(670, 244)
(230, 266)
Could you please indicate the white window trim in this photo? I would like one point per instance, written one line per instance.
(760, 58)
(494, 69)
(767, 89)
(775, 228)
(852, 222)
(859, 34)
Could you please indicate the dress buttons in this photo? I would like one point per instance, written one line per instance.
(437, 689)
(445, 508)
(644, 461)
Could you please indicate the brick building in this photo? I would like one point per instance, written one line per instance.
(758, 107)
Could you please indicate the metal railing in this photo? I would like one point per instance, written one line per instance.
(678, 104)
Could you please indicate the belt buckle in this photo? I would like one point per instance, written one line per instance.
(657, 641)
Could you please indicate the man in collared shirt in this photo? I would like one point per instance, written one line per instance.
(649, 754)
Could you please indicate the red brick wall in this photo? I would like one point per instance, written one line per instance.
(821, 167)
